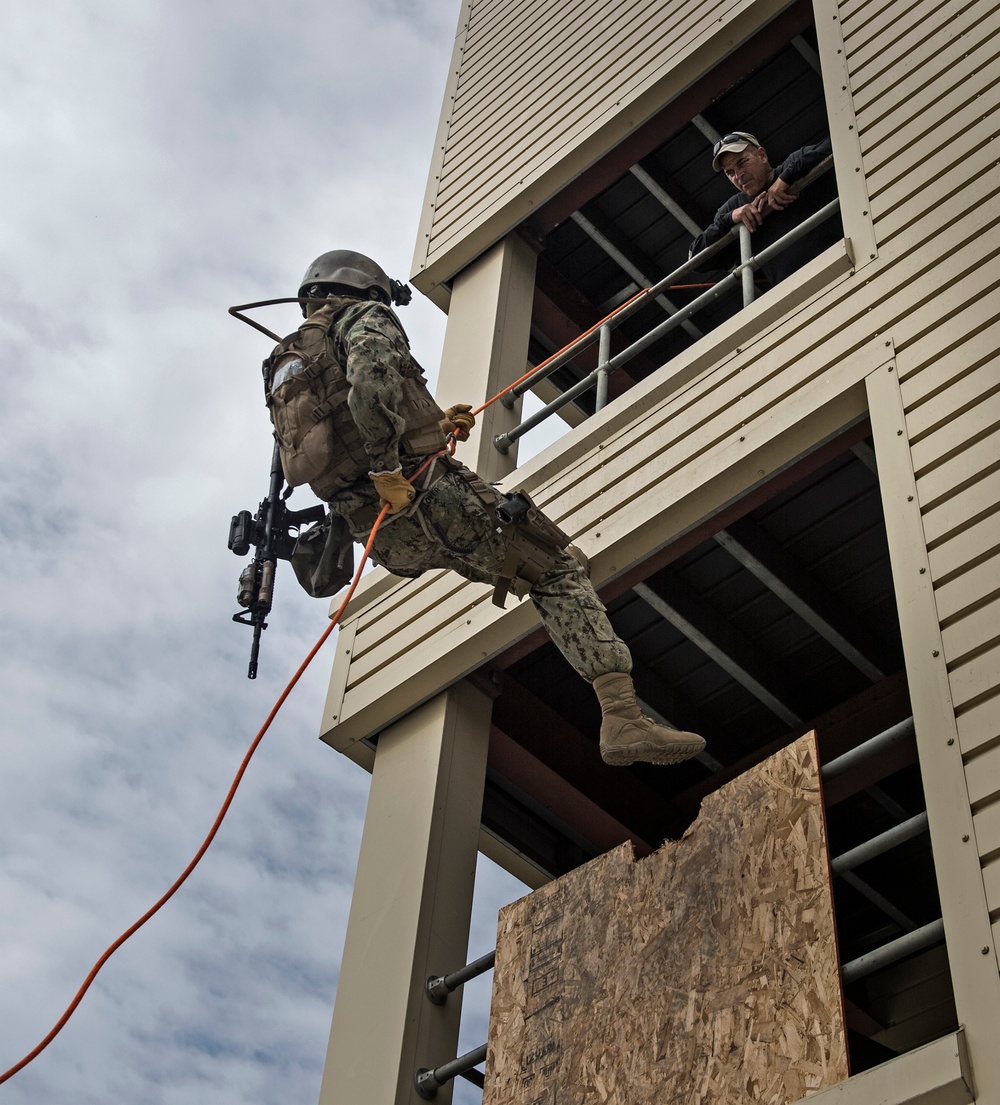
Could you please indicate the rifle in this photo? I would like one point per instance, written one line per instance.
(269, 532)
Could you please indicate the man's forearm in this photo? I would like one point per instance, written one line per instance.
(803, 161)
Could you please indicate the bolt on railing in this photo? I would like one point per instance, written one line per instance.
(438, 987)
(428, 1082)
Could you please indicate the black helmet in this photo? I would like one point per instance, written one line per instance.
(348, 270)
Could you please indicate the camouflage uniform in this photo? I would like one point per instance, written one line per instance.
(449, 525)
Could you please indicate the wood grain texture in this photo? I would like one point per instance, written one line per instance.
(704, 973)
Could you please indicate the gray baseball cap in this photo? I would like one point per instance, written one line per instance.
(735, 142)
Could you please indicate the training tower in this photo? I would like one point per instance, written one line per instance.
(789, 497)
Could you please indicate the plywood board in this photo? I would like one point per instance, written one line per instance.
(705, 973)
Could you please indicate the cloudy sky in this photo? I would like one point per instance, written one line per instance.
(163, 161)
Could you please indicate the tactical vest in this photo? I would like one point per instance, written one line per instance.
(306, 391)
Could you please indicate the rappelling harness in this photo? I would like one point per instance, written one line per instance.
(306, 391)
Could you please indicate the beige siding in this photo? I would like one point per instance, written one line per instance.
(922, 316)
(539, 89)
(926, 98)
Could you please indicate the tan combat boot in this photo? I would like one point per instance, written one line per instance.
(628, 735)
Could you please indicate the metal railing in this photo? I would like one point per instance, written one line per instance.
(427, 1082)
(913, 939)
(438, 987)
(741, 277)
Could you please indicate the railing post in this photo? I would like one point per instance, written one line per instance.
(746, 255)
(603, 356)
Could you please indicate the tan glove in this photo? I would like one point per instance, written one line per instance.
(458, 420)
(393, 488)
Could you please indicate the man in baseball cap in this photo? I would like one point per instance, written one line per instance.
(765, 191)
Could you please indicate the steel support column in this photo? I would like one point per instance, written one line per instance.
(412, 902)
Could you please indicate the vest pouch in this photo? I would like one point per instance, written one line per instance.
(303, 426)
(423, 434)
(323, 557)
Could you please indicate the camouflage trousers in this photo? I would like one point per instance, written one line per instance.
(451, 527)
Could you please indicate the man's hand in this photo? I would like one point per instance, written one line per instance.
(749, 215)
(459, 421)
(393, 488)
(775, 198)
(779, 195)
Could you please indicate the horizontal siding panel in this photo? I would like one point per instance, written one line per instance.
(956, 513)
(904, 194)
(952, 352)
(972, 462)
(970, 390)
(911, 73)
(977, 631)
(912, 317)
(489, 23)
(515, 69)
(446, 657)
(509, 73)
(857, 15)
(973, 544)
(863, 23)
(454, 602)
(973, 395)
(970, 588)
(987, 823)
(983, 774)
(627, 484)
(944, 84)
(514, 118)
(538, 123)
(979, 724)
(934, 129)
(991, 880)
(976, 679)
(396, 615)
(878, 45)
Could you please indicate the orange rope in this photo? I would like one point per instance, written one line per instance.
(229, 797)
(538, 367)
(224, 809)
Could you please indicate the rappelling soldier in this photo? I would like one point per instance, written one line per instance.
(354, 419)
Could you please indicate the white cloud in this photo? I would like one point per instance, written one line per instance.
(163, 162)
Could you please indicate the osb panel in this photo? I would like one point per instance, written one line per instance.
(705, 973)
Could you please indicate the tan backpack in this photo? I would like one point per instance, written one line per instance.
(306, 389)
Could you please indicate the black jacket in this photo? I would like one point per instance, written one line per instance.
(778, 223)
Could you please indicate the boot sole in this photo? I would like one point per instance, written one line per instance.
(645, 752)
